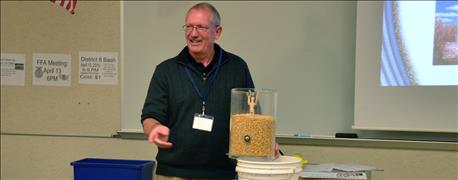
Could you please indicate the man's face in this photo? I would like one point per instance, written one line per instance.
(201, 34)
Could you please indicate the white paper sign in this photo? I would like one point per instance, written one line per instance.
(12, 69)
(98, 67)
(51, 69)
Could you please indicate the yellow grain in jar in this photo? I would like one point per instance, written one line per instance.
(252, 135)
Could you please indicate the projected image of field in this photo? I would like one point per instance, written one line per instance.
(445, 33)
(418, 52)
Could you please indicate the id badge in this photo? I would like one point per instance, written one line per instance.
(203, 122)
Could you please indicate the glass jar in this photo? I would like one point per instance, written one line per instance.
(252, 128)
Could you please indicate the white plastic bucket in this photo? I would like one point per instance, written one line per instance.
(282, 168)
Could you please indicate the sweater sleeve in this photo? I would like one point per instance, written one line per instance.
(156, 103)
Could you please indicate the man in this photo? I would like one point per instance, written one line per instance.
(187, 108)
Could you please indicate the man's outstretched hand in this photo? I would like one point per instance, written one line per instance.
(159, 135)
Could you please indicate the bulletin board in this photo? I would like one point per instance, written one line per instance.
(30, 27)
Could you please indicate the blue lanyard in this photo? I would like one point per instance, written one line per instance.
(203, 96)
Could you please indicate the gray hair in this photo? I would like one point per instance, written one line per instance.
(216, 19)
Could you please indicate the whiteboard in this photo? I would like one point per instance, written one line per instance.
(303, 50)
(425, 108)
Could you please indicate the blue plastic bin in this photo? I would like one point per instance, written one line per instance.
(112, 169)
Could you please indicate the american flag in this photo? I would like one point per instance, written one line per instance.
(67, 4)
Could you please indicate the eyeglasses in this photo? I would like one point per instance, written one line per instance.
(199, 28)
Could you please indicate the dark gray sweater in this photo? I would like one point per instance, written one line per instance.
(173, 101)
